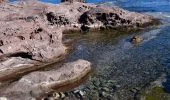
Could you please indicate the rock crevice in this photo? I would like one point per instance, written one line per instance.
(31, 37)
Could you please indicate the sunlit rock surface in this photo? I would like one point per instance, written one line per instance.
(36, 84)
(32, 32)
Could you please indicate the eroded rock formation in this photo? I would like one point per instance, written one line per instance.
(38, 83)
(102, 16)
(2, 1)
(31, 37)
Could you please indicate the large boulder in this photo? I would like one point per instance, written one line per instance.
(27, 40)
(26, 30)
(31, 36)
(67, 14)
(103, 16)
(34, 85)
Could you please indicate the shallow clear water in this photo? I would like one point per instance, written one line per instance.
(116, 60)
(126, 65)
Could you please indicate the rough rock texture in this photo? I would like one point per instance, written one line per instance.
(102, 16)
(2, 1)
(37, 83)
(66, 14)
(25, 30)
(31, 35)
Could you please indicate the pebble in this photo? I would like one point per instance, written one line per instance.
(137, 88)
(56, 95)
(134, 90)
(111, 81)
(136, 39)
(81, 93)
(104, 94)
(106, 89)
(76, 91)
(118, 86)
(62, 95)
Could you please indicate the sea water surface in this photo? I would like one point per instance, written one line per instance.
(121, 67)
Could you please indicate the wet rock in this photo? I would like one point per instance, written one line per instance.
(111, 81)
(104, 94)
(38, 83)
(81, 93)
(52, 96)
(106, 89)
(138, 88)
(62, 95)
(76, 91)
(56, 95)
(136, 39)
(32, 35)
(118, 86)
(133, 90)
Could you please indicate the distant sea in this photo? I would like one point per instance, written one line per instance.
(134, 5)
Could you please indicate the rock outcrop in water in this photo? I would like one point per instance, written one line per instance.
(136, 39)
(31, 37)
(108, 17)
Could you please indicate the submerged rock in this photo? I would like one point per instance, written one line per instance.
(31, 36)
(136, 39)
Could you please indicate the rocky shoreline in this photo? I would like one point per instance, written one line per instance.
(31, 36)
